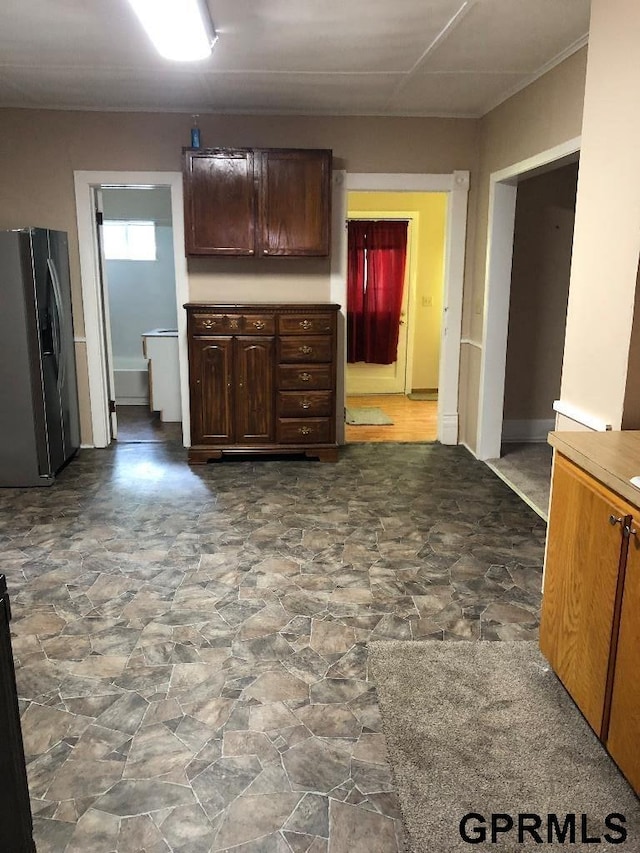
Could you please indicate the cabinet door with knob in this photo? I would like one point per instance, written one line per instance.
(585, 551)
(623, 737)
(220, 201)
(253, 389)
(211, 383)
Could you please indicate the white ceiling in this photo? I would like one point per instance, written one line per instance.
(335, 57)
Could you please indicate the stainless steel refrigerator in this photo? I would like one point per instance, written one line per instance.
(39, 421)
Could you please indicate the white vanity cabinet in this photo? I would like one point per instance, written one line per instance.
(160, 348)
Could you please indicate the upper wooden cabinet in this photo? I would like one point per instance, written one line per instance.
(266, 202)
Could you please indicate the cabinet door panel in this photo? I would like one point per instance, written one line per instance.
(295, 190)
(580, 584)
(624, 729)
(254, 391)
(220, 202)
(210, 384)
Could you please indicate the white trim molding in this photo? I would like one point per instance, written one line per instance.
(85, 184)
(456, 185)
(568, 410)
(503, 188)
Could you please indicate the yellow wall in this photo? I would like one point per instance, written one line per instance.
(431, 209)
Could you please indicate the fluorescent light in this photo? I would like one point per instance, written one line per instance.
(179, 29)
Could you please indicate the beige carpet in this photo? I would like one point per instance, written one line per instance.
(486, 727)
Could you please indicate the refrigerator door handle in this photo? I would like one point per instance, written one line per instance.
(58, 330)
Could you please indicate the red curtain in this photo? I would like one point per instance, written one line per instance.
(377, 254)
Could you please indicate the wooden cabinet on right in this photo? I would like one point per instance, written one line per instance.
(590, 622)
(263, 202)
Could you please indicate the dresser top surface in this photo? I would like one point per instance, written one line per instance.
(262, 306)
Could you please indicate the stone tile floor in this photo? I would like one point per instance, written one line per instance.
(191, 644)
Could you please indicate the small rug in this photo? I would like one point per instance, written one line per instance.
(423, 395)
(365, 416)
(487, 728)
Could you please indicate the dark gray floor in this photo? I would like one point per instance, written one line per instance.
(192, 643)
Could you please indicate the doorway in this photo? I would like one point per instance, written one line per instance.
(96, 319)
(456, 187)
(139, 295)
(531, 223)
(406, 390)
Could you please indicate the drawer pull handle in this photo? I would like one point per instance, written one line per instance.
(305, 324)
(208, 324)
(305, 350)
(259, 324)
(305, 404)
(614, 519)
(305, 377)
(304, 430)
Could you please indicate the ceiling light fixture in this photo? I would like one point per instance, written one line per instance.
(179, 29)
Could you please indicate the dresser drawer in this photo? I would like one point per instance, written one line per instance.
(304, 430)
(306, 377)
(247, 324)
(305, 324)
(259, 324)
(302, 350)
(308, 404)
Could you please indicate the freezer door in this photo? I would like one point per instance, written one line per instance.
(23, 447)
(48, 318)
(67, 382)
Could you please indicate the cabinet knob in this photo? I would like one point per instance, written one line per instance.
(614, 519)
(305, 404)
(305, 377)
(305, 350)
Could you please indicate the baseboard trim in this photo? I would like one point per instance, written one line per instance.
(532, 430)
(449, 426)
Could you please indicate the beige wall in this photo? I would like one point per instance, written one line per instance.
(40, 149)
(604, 269)
(542, 116)
(545, 214)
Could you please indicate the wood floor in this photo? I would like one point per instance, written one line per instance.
(413, 420)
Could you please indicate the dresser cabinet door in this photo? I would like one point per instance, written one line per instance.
(580, 585)
(294, 202)
(624, 729)
(211, 380)
(254, 390)
(220, 202)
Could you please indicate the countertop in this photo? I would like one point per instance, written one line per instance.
(161, 333)
(611, 457)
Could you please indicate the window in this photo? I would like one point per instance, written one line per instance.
(129, 241)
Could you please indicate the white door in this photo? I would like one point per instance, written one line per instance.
(393, 378)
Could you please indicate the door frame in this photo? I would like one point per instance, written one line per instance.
(412, 218)
(503, 189)
(456, 185)
(85, 183)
